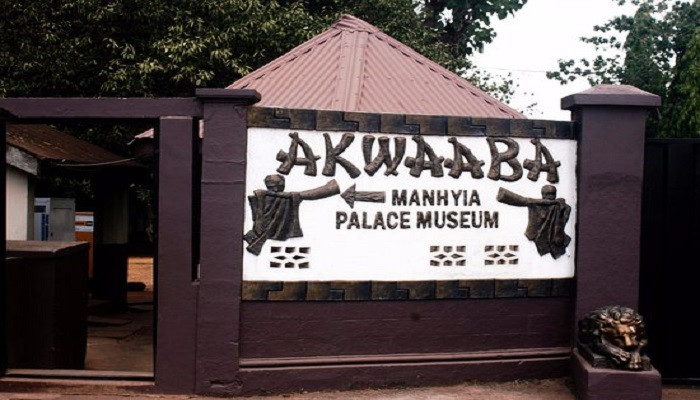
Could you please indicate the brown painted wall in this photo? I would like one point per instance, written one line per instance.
(302, 329)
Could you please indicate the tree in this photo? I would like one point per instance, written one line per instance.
(658, 35)
(140, 48)
(642, 67)
(168, 47)
(681, 112)
(467, 28)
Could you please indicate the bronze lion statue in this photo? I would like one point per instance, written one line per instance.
(616, 333)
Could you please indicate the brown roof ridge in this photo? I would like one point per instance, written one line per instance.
(351, 75)
(348, 22)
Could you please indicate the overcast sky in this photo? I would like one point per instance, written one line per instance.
(531, 42)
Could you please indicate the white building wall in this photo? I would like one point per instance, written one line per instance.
(17, 208)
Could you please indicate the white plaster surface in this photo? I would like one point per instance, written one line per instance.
(404, 254)
(16, 208)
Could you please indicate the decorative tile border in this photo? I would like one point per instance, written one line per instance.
(324, 120)
(406, 290)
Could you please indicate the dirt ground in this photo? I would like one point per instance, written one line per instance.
(123, 341)
(141, 270)
(551, 389)
(519, 390)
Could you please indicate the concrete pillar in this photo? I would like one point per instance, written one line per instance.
(221, 251)
(610, 120)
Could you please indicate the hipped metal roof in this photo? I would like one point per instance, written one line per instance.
(353, 66)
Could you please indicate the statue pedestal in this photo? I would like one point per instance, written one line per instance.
(597, 361)
(613, 384)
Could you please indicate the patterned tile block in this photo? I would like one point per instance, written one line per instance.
(448, 256)
(501, 255)
(289, 257)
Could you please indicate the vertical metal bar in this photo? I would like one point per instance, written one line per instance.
(176, 292)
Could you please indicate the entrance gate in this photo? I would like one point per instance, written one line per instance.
(218, 334)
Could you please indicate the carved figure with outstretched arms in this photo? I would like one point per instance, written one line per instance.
(547, 218)
(276, 212)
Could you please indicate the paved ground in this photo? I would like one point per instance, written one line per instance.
(124, 341)
(555, 389)
(121, 341)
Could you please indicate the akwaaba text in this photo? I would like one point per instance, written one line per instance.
(462, 160)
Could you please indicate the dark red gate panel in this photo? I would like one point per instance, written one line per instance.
(670, 267)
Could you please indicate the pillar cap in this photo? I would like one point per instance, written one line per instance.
(240, 96)
(611, 95)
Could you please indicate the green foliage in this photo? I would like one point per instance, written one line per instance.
(658, 35)
(169, 47)
(468, 28)
(140, 48)
(681, 113)
(647, 43)
(643, 66)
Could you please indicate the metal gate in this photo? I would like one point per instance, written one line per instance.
(670, 266)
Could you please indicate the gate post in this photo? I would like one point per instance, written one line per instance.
(610, 120)
(177, 293)
(221, 250)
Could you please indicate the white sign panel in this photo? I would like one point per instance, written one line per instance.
(355, 206)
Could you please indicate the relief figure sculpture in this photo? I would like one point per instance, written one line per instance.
(276, 212)
(547, 218)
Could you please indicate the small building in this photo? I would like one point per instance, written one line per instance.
(34, 150)
(41, 150)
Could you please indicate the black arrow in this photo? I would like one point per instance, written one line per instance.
(351, 196)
